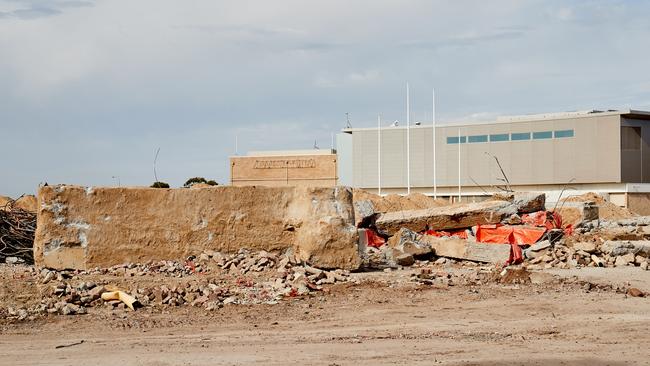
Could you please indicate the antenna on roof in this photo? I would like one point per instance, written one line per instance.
(347, 120)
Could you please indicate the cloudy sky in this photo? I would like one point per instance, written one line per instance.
(90, 89)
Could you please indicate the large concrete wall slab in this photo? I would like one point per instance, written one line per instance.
(85, 227)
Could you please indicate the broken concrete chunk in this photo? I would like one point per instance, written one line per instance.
(446, 217)
(624, 260)
(540, 246)
(463, 249)
(405, 259)
(587, 246)
(407, 241)
(635, 221)
(528, 202)
(363, 210)
(621, 247)
(513, 219)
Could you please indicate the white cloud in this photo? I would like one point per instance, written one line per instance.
(103, 85)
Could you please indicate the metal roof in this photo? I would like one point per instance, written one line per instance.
(628, 113)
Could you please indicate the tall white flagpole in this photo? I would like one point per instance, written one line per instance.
(408, 141)
(459, 143)
(379, 154)
(433, 130)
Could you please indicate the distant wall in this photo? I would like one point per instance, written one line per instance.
(639, 203)
(591, 155)
(81, 227)
(287, 170)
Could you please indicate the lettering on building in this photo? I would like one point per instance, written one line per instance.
(284, 164)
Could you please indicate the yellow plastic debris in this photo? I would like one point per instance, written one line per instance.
(121, 296)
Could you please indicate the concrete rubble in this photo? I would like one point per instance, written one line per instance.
(300, 242)
(210, 280)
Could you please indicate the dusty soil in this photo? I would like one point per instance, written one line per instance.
(394, 202)
(606, 210)
(386, 318)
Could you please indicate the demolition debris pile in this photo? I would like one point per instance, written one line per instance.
(118, 248)
(209, 281)
(17, 227)
(510, 229)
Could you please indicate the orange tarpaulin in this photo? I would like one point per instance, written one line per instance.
(374, 240)
(513, 235)
(505, 234)
(548, 219)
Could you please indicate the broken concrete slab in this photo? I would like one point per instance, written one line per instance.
(466, 250)
(446, 217)
(623, 247)
(85, 227)
(635, 221)
(363, 211)
(528, 202)
(540, 246)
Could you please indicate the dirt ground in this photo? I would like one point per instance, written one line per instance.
(384, 319)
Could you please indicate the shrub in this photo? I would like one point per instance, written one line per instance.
(160, 185)
(193, 181)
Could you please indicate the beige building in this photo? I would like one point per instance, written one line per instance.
(602, 151)
(285, 168)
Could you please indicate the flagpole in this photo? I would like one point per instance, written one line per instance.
(433, 130)
(408, 141)
(379, 154)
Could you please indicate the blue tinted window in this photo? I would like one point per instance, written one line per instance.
(520, 136)
(477, 138)
(463, 139)
(542, 135)
(499, 137)
(563, 133)
(452, 140)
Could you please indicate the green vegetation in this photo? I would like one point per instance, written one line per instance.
(192, 181)
(160, 185)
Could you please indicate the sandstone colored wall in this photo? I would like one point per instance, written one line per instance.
(286, 170)
(85, 227)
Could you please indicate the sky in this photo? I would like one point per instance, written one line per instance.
(89, 90)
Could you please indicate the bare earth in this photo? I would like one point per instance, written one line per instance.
(384, 320)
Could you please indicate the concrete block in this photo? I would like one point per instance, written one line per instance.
(528, 202)
(446, 217)
(622, 247)
(466, 250)
(85, 227)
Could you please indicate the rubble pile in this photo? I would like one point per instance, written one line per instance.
(210, 280)
(597, 243)
(509, 229)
